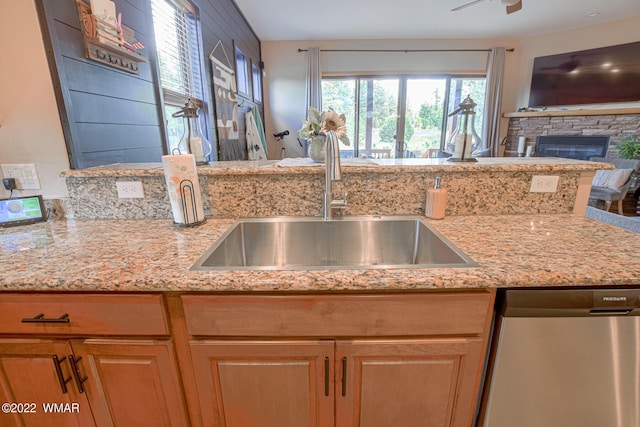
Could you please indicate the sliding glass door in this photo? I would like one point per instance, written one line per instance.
(425, 106)
(382, 104)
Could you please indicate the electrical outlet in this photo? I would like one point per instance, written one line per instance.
(130, 190)
(544, 183)
(25, 175)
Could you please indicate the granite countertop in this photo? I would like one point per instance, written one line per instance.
(154, 255)
(306, 166)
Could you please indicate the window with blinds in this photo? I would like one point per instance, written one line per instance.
(179, 59)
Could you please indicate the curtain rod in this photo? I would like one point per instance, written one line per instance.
(405, 50)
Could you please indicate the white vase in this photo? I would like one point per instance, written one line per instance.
(317, 148)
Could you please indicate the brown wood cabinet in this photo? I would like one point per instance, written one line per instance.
(29, 379)
(343, 360)
(131, 383)
(420, 382)
(410, 359)
(265, 383)
(427, 382)
(105, 381)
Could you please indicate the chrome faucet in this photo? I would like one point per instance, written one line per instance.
(332, 172)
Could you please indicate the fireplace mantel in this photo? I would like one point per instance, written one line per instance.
(562, 113)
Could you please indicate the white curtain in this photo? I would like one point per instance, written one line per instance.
(314, 80)
(495, 77)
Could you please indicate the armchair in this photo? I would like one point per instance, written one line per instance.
(613, 185)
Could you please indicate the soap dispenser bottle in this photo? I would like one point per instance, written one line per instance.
(436, 200)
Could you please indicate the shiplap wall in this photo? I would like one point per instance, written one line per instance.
(111, 116)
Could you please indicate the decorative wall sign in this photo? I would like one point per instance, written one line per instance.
(112, 45)
(226, 97)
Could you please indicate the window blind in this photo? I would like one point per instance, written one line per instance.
(177, 49)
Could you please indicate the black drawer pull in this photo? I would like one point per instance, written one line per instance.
(63, 381)
(326, 376)
(344, 376)
(76, 372)
(41, 319)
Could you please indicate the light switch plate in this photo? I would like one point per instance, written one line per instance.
(25, 174)
(544, 183)
(130, 190)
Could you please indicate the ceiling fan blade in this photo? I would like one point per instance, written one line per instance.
(466, 5)
(514, 8)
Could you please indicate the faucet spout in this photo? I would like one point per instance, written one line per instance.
(332, 172)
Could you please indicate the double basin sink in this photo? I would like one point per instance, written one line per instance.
(301, 243)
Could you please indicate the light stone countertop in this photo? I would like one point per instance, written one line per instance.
(154, 255)
(277, 167)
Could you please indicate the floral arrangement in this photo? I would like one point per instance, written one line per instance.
(320, 123)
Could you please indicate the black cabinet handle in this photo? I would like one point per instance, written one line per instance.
(61, 379)
(41, 319)
(344, 376)
(76, 372)
(326, 376)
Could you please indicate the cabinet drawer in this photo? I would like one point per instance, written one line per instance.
(338, 315)
(87, 314)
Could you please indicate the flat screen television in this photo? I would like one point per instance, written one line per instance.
(595, 76)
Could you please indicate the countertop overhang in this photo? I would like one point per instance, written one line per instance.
(155, 256)
(418, 165)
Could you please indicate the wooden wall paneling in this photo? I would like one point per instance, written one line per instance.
(71, 48)
(136, 155)
(121, 137)
(90, 94)
(122, 111)
(64, 11)
(216, 18)
(45, 11)
(97, 79)
(104, 109)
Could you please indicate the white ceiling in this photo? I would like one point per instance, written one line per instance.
(404, 19)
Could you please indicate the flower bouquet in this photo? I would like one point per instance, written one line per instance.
(316, 127)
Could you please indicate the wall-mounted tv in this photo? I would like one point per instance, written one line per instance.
(595, 76)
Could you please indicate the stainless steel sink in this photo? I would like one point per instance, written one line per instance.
(294, 243)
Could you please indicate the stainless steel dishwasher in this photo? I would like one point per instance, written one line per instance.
(564, 358)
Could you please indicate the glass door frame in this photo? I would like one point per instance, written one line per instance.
(401, 107)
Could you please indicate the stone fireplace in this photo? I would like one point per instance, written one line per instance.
(615, 123)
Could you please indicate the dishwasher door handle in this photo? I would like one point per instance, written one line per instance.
(610, 311)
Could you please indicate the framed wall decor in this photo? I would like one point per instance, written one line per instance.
(226, 99)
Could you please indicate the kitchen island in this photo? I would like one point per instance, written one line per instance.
(155, 255)
(114, 303)
(103, 308)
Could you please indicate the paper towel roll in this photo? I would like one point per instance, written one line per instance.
(181, 176)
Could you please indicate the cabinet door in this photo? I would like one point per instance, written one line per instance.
(131, 383)
(265, 383)
(28, 376)
(429, 382)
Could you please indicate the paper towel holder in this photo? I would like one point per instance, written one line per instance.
(188, 204)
